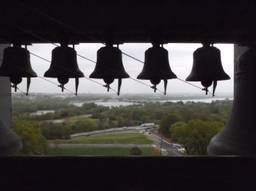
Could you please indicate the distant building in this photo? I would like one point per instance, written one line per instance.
(150, 125)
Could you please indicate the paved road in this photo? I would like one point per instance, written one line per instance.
(52, 145)
(167, 149)
(111, 130)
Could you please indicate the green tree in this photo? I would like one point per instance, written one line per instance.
(135, 151)
(195, 135)
(32, 140)
(166, 122)
(55, 130)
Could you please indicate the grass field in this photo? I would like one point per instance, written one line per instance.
(113, 138)
(98, 151)
(78, 117)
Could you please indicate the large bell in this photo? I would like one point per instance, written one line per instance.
(238, 136)
(10, 143)
(109, 66)
(64, 66)
(156, 67)
(207, 67)
(16, 64)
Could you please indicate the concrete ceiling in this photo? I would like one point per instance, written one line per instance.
(28, 21)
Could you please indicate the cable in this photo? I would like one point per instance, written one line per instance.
(83, 57)
(46, 40)
(192, 84)
(138, 81)
(55, 84)
(21, 91)
(100, 83)
(88, 59)
(132, 57)
(36, 55)
(74, 29)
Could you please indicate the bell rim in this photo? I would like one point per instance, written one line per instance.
(114, 77)
(64, 76)
(195, 79)
(51, 73)
(170, 76)
(23, 75)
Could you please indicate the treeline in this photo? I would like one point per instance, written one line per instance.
(184, 123)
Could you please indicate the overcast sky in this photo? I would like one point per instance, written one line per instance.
(180, 58)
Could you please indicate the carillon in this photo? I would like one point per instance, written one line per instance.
(64, 66)
(109, 66)
(207, 67)
(16, 64)
(156, 66)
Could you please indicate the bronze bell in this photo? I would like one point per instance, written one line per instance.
(207, 67)
(16, 64)
(109, 66)
(156, 67)
(238, 135)
(64, 66)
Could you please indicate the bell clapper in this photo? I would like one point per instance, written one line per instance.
(206, 84)
(28, 84)
(62, 81)
(108, 81)
(119, 86)
(154, 88)
(107, 86)
(214, 88)
(62, 87)
(15, 87)
(165, 86)
(206, 90)
(154, 82)
(76, 84)
(15, 81)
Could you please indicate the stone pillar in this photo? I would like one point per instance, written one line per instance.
(238, 137)
(9, 142)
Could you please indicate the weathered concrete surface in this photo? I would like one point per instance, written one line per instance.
(9, 142)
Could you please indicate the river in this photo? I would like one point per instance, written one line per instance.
(116, 103)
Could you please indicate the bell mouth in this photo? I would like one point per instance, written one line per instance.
(206, 83)
(155, 81)
(15, 80)
(63, 80)
(108, 80)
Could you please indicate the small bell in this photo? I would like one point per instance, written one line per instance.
(207, 67)
(16, 64)
(109, 66)
(156, 67)
(64, 66)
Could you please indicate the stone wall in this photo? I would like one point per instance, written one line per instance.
(5, 96)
